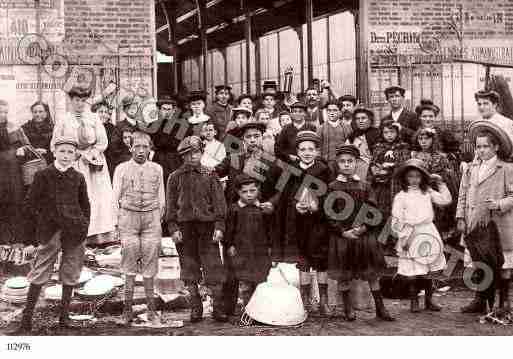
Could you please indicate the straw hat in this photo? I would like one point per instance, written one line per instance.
(505, 145)
(411, 163)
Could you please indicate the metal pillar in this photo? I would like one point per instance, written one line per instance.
(202, 8)
(258, 72)
(362, 69)
(248, 47)
(309, 38)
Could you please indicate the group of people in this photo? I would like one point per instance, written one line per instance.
(238, 188)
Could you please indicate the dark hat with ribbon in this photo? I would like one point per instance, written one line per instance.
(167, 99)
(348, 150)
(197, 96)
(243, 179)
(189, 144)
(489, 95)
(393, 89)
(270, 85)
(299, 104)
(222, 87)
(349, 98)
(77, 91)
(303, 136)
(251, 125)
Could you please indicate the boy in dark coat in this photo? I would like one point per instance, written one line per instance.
(58, 202)
(247, 238)
(195, 216)
(305, 237)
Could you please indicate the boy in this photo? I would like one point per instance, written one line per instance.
(195, 216)
(221, 109)
(333, 133)
(398, 113)
(305, 232)
(284, 119)
(486, 194)
(62, 220)
(139, 197)
(248, 237)
(285, 147)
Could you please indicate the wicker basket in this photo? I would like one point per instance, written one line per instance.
(29, 168)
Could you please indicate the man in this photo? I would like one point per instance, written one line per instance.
(398, 113)
(220, 109)
(285, 147)
(347, 104)
(165, 143)
(271, 88)
(315, 114)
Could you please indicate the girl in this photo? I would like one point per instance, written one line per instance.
(420, 247)
(245, 101)
(91, 136)
(354, 251)
(39, 129)
(365, 137)
(427, 150)
(104, 112)
(386, 156)
(197, 116)
(214, 150)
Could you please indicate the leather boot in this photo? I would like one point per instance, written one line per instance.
(128, 314)
(150, 300)
(428, 297)
(218, 312)
(196, 304)
(64, 320)
(414, 295)
(381, 311)
(478, 304)
(230, 293)
(324, 309)
(306, 290)
(348, 306)
(25, 326)
(504, 303)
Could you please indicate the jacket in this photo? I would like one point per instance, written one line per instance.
(58, 201)
(410, 123)
(497, 185)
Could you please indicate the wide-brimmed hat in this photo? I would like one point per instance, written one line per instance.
(77, 91)
(412, 163)
(238, 110)
(167, 100)
(391, 89)
(505, 145)
(251, 125)
(303, 136)
(190, 143)
(348, 149)
(488, 94)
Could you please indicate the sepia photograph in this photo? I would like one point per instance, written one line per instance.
(255, 168)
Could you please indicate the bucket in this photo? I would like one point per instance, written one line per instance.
(168, 278)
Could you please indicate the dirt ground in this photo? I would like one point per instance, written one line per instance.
(447, 322)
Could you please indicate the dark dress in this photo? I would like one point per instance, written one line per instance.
(353, 258)
(305, 239)
(39, 135)
(115, 146)
(410, 124)
(11, 186)
(248, 230)
(166, 144)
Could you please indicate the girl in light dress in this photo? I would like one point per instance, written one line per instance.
(419, 245)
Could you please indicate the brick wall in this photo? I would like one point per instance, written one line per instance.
(115, 22)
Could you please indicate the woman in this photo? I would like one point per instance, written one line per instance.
(365, 136)
(245, 101)
(12, 138)
(90, 133)
(104, 112)
(39, 129)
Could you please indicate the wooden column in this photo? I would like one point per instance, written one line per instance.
(309, 38)
(299, 32)
(248, 47)
(258, 71)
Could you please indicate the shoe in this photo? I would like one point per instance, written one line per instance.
(324, 308)
(414, 299)
(218, 313)
(348, 306)
(478, 305)
(230, 294)
(504, 303)
(381, 311)
(196, 304)
(24, 327)
(305, 297)
(429, 304)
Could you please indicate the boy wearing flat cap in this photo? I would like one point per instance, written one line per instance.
(195, 216)
(57, 201)
(285, 147)
(398, 113)
(221, 109)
